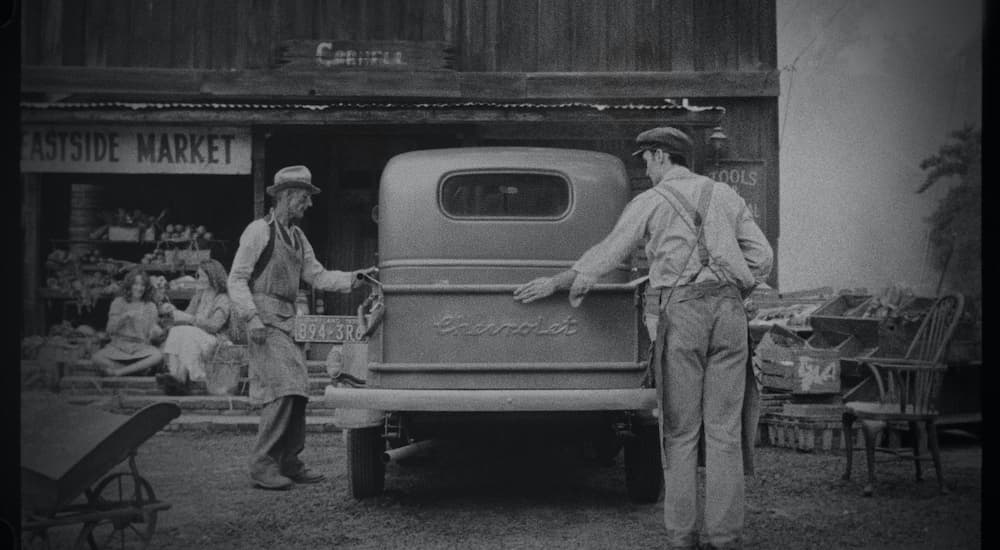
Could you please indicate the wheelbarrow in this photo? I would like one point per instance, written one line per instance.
(68, 453)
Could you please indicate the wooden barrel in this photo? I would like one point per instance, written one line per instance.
(87, 200)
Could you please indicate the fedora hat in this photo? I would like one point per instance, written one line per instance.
(292, 177)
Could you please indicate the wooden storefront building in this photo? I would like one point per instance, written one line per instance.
(192, 105)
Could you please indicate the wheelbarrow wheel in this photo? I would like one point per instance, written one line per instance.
(129, 524)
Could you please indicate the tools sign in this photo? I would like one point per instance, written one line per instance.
(746, 177)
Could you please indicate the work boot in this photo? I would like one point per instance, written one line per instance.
(271, 481)
(305, 475)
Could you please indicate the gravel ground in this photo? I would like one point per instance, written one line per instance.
(552, 497)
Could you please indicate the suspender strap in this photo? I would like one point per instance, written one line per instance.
(265, 255)
(697, 217)
(693, 220)
(703, 200)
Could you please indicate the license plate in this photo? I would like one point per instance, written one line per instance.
(327, 328)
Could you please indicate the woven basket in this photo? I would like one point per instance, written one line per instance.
(226, 373)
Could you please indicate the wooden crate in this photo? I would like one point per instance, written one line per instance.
(790, 362)
(807, 434)
(842, 315)
(774, 356)
(821, 434)
(771, 401)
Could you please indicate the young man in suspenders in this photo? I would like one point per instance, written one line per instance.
(705, 255)
(273, 257)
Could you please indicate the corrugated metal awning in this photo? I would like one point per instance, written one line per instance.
(666, 105)
(291, 113)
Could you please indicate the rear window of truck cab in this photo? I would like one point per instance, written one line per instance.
(505, 195)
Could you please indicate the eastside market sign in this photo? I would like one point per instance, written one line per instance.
(135, 149)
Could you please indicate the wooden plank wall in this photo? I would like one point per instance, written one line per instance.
(491, 35)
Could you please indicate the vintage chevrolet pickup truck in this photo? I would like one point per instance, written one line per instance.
(454, 354)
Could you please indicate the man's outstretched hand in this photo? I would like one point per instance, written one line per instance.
(535, 290)
(362, 276)
(546, 286)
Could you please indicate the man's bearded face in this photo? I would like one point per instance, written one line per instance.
(299, 200)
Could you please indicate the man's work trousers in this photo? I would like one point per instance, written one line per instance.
(281, 436)
(701, 386)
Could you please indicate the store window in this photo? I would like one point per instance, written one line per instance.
(505, 195)
(96, 227)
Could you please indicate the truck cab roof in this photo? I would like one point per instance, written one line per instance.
(497, 203)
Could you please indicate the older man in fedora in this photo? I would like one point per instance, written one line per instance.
(273, 257)
(705, 254)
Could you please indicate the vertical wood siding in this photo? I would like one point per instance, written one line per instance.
(490, 35)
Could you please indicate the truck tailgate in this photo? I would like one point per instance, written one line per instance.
(478, 337)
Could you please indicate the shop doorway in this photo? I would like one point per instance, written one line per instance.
(346, 164)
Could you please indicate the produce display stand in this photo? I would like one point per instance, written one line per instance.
(67, 454)
(59, 302)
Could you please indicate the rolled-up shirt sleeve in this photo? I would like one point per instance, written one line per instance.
(629, 232)
(320, 278)
(757, 251)
(252, 243)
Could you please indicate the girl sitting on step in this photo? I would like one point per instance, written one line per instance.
(196, 330)
(133, 325)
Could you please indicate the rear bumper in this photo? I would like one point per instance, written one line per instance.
(627, 399)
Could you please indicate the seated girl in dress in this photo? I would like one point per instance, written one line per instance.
(196, 330)
(133, 325)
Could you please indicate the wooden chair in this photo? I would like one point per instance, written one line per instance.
(908, 389)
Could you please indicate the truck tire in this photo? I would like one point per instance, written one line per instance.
(607, 444)
(643, 469)
(365, 471)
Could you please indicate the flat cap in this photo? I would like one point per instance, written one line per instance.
(292, 177)
(668, 138)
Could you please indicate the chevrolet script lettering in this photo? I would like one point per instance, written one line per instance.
(460, 325)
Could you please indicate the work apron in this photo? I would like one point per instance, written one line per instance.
(278, 367)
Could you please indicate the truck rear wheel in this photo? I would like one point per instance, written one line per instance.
(365, 470)
(643, 470)
(607, 444)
